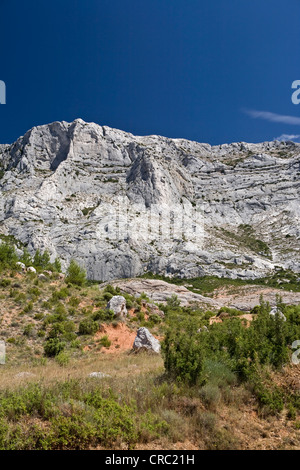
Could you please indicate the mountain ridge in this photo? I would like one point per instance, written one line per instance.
(123, 205)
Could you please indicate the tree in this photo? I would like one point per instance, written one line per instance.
(56, 266)
(75, 274)
(8, 256)
(41, 260)
(26, 258)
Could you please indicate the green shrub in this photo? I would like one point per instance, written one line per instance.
(105, 315)
(62, 358)
(28, 308)
(75, 274)
(29, 330)
(74, 301)
(8, 256)
(105, 342)
(41, 260)
(88, 327)
(53, 346)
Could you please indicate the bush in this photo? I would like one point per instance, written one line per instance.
(74, 301)
(29, 330)
(184, 354)
(53, 346)
(104, 315)
(75, 274)
(104, 341)
(88, 327)
(8, 256)
(62, 358)
(41, 260)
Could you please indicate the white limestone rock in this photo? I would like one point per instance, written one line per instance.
(118, 305)
(145, 341)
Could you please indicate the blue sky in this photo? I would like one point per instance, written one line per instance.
(213, 71)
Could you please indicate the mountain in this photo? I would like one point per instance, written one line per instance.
(122, 205)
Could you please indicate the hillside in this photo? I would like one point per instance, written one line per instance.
(58, 333)
(123, 205)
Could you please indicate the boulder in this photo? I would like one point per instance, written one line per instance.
(118, 305)
(42, 277)
(21, 266)
(24, 375)
(99, 375)
(145, 341)
(275, 310)
(48, 272)
(31, 269)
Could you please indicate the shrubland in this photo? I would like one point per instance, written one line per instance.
(202, 392)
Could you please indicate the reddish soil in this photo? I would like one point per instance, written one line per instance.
(121, 338)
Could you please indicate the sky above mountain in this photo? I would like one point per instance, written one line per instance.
(213, 71)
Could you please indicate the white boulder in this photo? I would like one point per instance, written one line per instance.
(118, 305)
(145, 341)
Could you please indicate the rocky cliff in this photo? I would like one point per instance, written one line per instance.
(122, 205)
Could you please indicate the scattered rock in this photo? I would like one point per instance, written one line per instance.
(31, 269)
(48, 272)
(145, 341)
(275, 310)
(99, 375)
(203, 328)
(21, 266)
(154, 309)
(24, 375)
(42, 277)
(118, 305)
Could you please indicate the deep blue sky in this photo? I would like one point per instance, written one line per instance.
(179, 68)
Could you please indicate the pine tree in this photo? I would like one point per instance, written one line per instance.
(75, 274)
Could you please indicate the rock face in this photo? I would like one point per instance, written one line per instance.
(145, 341)
(118, 305)
(122, 205)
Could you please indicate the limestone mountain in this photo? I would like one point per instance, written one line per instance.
(122, 205)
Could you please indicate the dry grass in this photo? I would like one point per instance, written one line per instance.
(125, 365)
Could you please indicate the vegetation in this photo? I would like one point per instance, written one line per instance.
(205, 285)
(75, 274)
(203, 392)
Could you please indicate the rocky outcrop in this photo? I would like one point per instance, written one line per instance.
(122, 205)
(118, 305)
(145, 341)
(161, 291)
